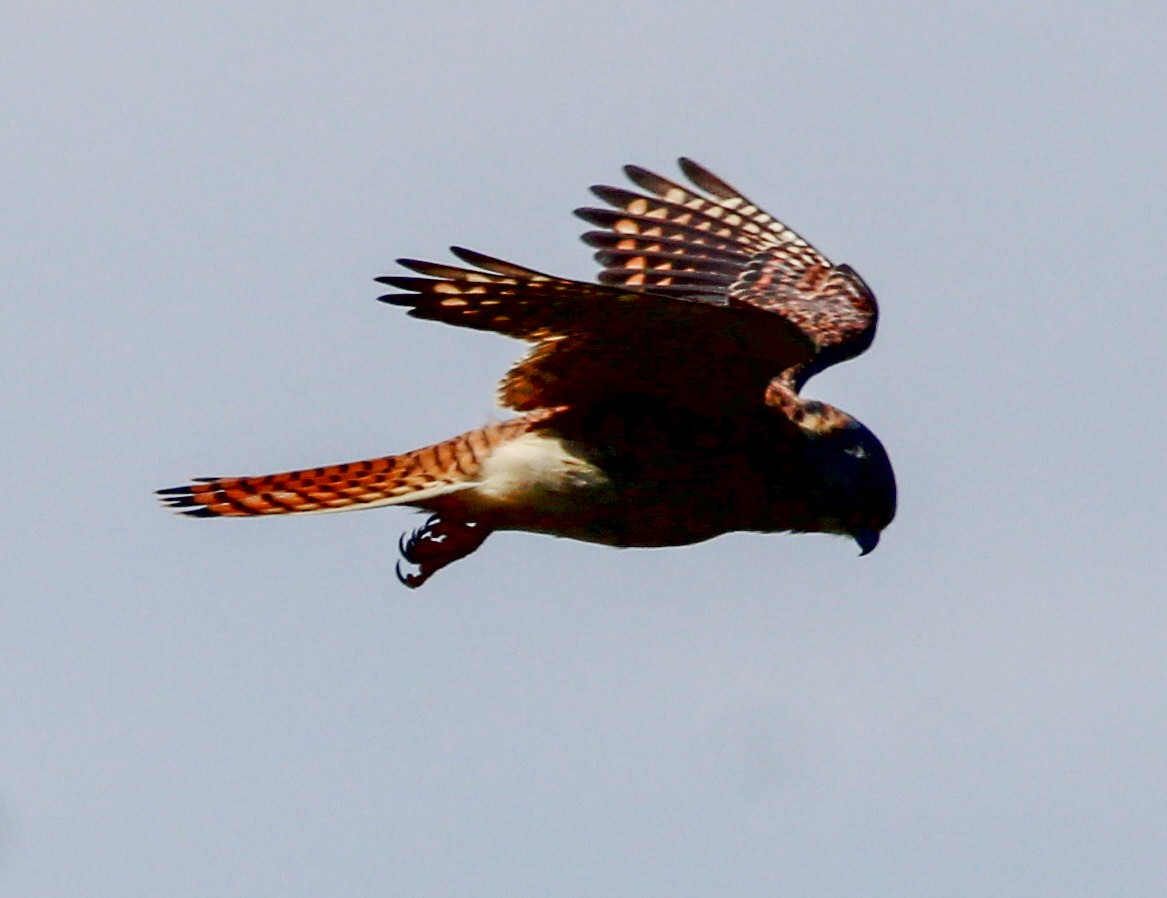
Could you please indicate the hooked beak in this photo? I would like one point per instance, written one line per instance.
(867, 539)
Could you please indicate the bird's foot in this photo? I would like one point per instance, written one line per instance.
(435, 544)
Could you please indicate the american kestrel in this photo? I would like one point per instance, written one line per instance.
(659, 407)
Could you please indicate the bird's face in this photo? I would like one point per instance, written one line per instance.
(856, 488)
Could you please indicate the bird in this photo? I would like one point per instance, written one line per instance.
(658, 406)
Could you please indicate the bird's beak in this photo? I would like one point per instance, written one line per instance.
(867, 539)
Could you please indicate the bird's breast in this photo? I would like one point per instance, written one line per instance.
(540, 473)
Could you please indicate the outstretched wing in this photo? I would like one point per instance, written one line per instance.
(595, 341)
(677, 241)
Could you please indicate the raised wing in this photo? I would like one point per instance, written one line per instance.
(721, 247)
(595, 342)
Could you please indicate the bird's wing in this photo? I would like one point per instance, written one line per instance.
(710, 243)
(594, 341)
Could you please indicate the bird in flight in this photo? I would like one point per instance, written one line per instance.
(660, 406)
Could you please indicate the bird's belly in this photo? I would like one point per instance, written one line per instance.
(544, 483)
(535, 480)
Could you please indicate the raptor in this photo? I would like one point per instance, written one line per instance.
(660, 406)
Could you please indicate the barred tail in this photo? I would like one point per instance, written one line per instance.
(405, 479)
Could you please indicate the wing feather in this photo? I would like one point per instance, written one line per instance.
(703, 296)
(721, 246)
(595, 342)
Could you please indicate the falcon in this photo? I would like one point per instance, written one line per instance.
(660, 406)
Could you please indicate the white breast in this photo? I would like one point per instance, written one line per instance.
(539, 471)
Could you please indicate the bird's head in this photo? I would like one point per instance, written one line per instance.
(856, 487)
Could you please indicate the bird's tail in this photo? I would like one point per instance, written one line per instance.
(413, 478)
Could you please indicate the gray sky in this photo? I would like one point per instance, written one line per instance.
(195, 202)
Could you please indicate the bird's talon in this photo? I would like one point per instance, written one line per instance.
(436, 544)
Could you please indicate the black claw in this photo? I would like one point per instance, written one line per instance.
(408, 541)
(431, 547)
(408, 580)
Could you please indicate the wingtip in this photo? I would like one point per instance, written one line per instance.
(417, 265)
(390, 280)
(398, 299)
(707, 180)
(475, 258)
(405, 282)
(601, 218)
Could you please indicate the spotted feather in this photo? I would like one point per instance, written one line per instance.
(725, 248)
(596, 341)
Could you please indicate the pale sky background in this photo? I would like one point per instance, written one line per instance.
(195, 202)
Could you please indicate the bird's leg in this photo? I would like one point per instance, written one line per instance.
(438, 542)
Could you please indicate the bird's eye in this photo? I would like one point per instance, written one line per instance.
(857, 451)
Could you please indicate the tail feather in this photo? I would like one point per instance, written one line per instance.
(407, 479)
